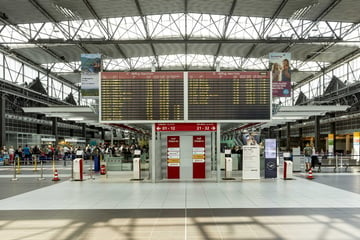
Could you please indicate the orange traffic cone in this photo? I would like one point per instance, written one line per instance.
(310, 176)
(56, 177)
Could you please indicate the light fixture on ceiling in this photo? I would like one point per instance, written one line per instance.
(60, 6)
(301, 12)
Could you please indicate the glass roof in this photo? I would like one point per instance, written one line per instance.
(182, 27)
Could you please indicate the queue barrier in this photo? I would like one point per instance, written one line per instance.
(335, 162)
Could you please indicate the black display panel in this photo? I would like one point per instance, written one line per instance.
(142, 96)
(224, 96)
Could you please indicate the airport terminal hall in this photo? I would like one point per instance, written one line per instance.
(179, 120)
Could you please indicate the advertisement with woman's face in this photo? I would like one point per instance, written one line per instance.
(280, 74)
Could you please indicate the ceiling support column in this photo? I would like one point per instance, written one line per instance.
(102, 134)
(83, 130)
(301, 142)
(279, 136)
(2, 120)
(271, 132)
(333, 131)
(38, 126)
(55, 130)
(317, 134)
(288, 136)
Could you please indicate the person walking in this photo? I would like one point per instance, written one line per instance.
(308, 151)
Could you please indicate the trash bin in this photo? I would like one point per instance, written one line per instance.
(288, 170)
(78, 169)
(136, 168)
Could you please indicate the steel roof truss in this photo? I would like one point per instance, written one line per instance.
(321, 16)
(146, 27)
(274, 16)
(95, 15)
(48, 16)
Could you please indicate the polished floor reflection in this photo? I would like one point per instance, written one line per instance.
(116, 208)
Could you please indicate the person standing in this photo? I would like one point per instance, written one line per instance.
(19, 153)
(27, 154)
(308, 151)
(11, 154)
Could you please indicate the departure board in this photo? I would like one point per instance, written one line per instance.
(234, 96)
(142, 96)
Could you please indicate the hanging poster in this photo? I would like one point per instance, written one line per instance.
(90, 63)
(90, 68)
(280, 74)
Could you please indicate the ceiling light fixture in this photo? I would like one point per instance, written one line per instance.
(300, 13)
(66, 11)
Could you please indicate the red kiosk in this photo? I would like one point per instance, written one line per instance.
(198, 156)
(173, 157)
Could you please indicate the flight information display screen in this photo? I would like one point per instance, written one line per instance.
(229, 96)
(142, 96)
(179, 96)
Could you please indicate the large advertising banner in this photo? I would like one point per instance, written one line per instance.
(356, 146)
(251, 162)
(90, 68)
(280, 74)
(198, 156)
(270, 158)
(331, 144)
(173, 157)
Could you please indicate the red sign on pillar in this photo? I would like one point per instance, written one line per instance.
(173, 157)
(198, 156)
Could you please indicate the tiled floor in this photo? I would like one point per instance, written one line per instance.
(117, 208)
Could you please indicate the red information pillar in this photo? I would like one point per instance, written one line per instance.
(198, 156)
(173, 157)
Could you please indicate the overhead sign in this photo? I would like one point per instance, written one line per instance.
(173, 127)
(224, 96)
(142, 96)
(185, 96)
